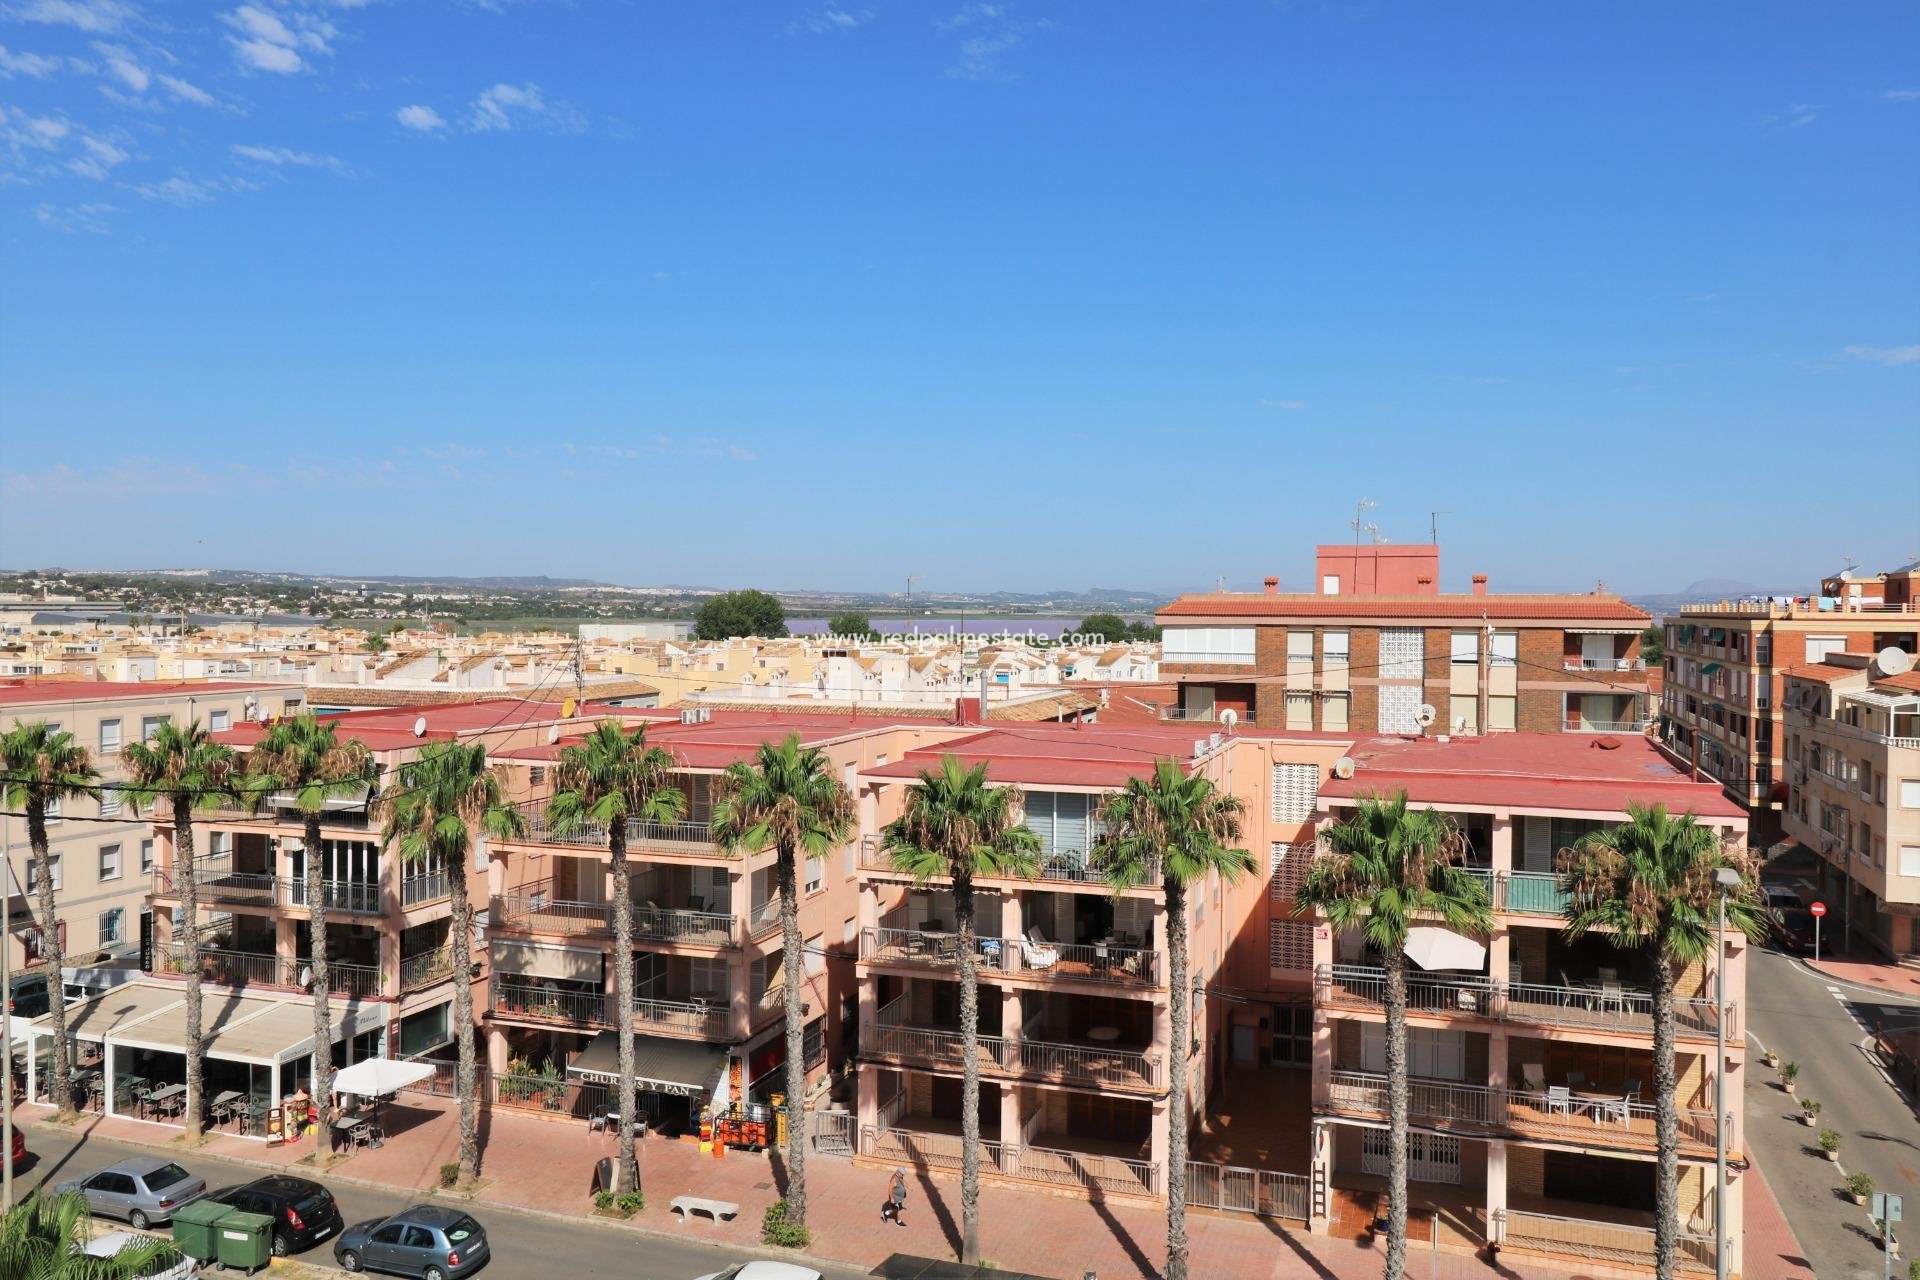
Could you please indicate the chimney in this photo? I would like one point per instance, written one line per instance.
(1479, 584)
(1273, 586)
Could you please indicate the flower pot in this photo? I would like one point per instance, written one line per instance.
(1832, 1155)
(1856, 1199)
(1809, 1119)
(1788, 1087)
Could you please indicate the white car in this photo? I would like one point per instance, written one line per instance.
(114, 1241)
(764, 1270)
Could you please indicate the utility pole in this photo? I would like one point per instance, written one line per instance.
(6, 1018)
(579, 668)
(911, 579)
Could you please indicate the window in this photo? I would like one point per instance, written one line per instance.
(1910, 793)
(1504, 650)
(1334, 647)
(1329, 584)
(707, 979)
(1296, 792)
(1333, 711)
(33, 873)
(816, 874)
(1501, 712)
(290, 706)
(111, 926)
(1300, 646)
(1207, 644)
(1466, 647)
(1463, 714)
(218, 721)
(1300, 710)
(146, 856)
(1818, 647)
(1910, 859)
(109, 737)
(53, 808)
(850, 931)
(1402, 654)
(815, 955)
(109, 862)
(813, 1043)
(110, 802)
(1064, 821)
(853, 859)
(150, 725)
(1399, 708)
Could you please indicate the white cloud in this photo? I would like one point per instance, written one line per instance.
(266, 41)
(1902, 95)
(828, 19)
(263, 55)
(281, 156)
(87, 15)
(494, 108)
(988, 32)
(1798, 116)
(122, 67)
(1291, 406)
(183, 91)
(37, 65)
(75, 218)
(183, 192)
(39, 131)
(100, 157)
(1885, 355)
(419, 118)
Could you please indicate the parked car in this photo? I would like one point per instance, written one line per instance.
(430, 1241)
(1793, 929)
(19, 1146)
(27, 995)
(304, 1212)
(146, 1191)
(763, 1270)
(1780, 897)
(113, 1242)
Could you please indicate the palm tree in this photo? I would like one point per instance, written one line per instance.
(430, 815)
(305, 757)
(609, 779)
(189, 770)
(1386, 866)
(1649, 883)
(1178, 830)
(789, 800)
(44, 766)
(44, 1237)
(955, 825)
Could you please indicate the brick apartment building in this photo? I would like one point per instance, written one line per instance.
(1365, 661)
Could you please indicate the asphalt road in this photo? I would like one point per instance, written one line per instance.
(1823, 1025)
(524, 1245)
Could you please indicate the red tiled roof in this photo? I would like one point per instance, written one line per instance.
(727, 737)
(1095, 755)
(1908, 681)
(1566, 771)
(15, 694)
(1823, 671)
(1582, 608)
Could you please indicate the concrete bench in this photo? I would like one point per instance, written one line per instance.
(687, 1206)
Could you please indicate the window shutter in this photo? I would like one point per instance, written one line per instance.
(1296, 792)
(1537, 852)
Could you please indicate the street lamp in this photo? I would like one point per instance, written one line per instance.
(1724, 879)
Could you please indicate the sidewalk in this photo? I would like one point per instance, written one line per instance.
(1886, 976)
(546, 1166)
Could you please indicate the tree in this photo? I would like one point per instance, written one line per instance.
(739, 613)
(429, 816)
(1653, 644)
(1648, 883)
(1111, 627)
(1385, 867)
(1178, 830)
(44, 767)
(188, 770)
(304, 756)
(853, 624)
(609, 779)
(43, 1238)
(787, 799)
(956, 825)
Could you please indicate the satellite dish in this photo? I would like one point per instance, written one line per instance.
(306, 975)
(1229, 718)
(553, 733)
(1892, 662)
(419, 726)
(1426, 715)
(1343, 767)
(567, 709)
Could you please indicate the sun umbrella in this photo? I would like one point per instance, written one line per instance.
(1435, 948)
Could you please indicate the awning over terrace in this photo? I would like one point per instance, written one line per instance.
(685, 1068)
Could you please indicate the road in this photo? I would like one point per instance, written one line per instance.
(524, 1245)
(1823, 1025)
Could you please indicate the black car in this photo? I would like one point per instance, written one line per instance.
(303, 1211)
(1793, 929)
(27, 995)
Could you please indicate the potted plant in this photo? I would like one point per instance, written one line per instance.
(1859, 1188)
(1809, 1112)
(1891, 1235)
(1771, 1058)
(1830, 1144)
(1789, 1072)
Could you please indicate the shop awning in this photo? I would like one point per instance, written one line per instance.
(1711, 668)
(686, 1068)
(532, 960)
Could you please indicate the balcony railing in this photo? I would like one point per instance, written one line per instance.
(1002, 1056)
(1070, 866)
(1204, 715)
(1052, 1166)
(533, 907)
(425, 887)
(1604, 664)
(1615, 1243)
(764, 918)
(213, 883)
(693, 1018)
(1599, 1006)
(356, 897)
(1588, 1116)
(1087, 962)
(684, 837)
(244, 968)
(425, 969)
(1581, 724)
(1530, 893)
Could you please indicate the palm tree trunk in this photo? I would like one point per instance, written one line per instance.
(969, 1073)
(623, 999)
(1666, 1124)
(463, 1019)
(318, 891)
(795, 965)
(1180, 1016)
(60, 1088)
(186, 884)
(1394, 963)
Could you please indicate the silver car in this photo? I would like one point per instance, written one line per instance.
(144, 1190)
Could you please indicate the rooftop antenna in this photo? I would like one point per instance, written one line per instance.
(1433, 526)
(911, 579)
(1358, 522)
(579, 668)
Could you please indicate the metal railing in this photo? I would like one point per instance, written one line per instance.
(1604, 664)
(684, 1017)
(1580, 724)
(355, 897)
(1088, 962)
(1261, 1192)
(218, 882)
(425, 887)
(689, 836)
(1604, 1006)
(1594, 1117)
(1531, 893)
(1432, 1102)
(247, 968)
(1052, 1166)
(1069, 866)
(695, 1018)
(764, 918)
(533, 907)
(1606, 1242)
(425, 969)
(1000, 1055)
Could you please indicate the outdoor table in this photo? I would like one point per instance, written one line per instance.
(225, 1105)
(1597, 1104)
(162, 1100)
(359, 1129)
(1104, 1035)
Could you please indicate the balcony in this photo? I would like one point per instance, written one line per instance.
(691, 837)
(219, 884)
(1598, 1005)
(1204, 715)
(426, 969)
(548, 1003)
(1530, 893)
(1000, 957)
(534, 908)
(423, 887)
(1065, 866)
(354, 897)
(1603, 664)
(1614, 1243)
(1097, 1066)
(245, 968)
(1590, 1118)
(1051, 1166)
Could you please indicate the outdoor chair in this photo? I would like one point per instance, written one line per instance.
(1036, 952)
(1535, 1074)
(1560, 1100)
(1632, 1089)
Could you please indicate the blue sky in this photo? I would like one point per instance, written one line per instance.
(1024, 295)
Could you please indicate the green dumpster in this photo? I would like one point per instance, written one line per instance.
(193, 1228)
(243, 1241)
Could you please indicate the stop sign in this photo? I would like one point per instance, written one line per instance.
(1818, 908)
